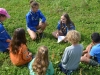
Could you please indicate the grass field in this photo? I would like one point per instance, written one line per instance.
(84, 13)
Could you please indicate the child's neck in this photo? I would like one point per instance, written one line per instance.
(75, 44)
(96, 43)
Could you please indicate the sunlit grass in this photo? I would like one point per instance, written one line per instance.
(84, 13)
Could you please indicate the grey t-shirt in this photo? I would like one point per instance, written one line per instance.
(71, 57)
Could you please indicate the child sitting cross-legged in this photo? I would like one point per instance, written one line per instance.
(41, 65)
(92, 53)
(19, 53)
(72, 54)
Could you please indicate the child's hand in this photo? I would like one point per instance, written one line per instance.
(8, 40)
(30, 54)
(39, 31)
(41, 23)
(57, 34)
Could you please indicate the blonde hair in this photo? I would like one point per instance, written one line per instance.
(73, 36)
(41, 61)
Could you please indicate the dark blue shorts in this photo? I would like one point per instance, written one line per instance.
(67, 72)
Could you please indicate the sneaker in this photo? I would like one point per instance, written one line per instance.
(41, 35)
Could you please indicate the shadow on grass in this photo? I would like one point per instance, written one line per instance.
(45, 36)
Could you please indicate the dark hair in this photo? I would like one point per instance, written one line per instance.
(68, 22)
(2, 15)
(95, 37)
(33, 3)
(18, 39)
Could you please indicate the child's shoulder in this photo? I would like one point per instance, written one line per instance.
(39, 11)
(23, 45)
(29, 13)
(69, 47)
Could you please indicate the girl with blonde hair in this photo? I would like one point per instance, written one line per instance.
(41, 65)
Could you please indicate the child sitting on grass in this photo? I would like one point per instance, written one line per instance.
(92, 52)
(35, 27)
(41, 65)
(72, 54)
(64, 25)
(19, 53)
(4, 36)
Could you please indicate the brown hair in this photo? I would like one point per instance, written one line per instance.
(68, 22)
(33, 3)
(18, 39)
(41, 61)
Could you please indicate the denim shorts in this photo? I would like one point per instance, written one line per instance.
(64, 70)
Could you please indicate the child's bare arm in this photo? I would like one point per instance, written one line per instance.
(88, 48)
(57, 34)
(8, 40)
(30, 54)
(25, 53)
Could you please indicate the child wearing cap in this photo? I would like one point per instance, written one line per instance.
(4, 36)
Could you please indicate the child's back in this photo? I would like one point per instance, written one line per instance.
(72, 55)
(41, 65)
(22, 57)
(19, 53)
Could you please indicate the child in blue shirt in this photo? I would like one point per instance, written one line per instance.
(92, 52)
(64, 25)
(4, 36)
(32, 20)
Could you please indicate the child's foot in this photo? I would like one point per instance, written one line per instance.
(41, 35)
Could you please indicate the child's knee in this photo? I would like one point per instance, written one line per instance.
(45, 24)
(82, 59)
(33, 38)
(52, 33)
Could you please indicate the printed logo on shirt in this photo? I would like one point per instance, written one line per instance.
(3, 31)
(35, 18)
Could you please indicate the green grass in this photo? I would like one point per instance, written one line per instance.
(84, 13)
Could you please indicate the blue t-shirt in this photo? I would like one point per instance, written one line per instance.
(72, 27)
(95, 51)
(3, 37)
(32, 19)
